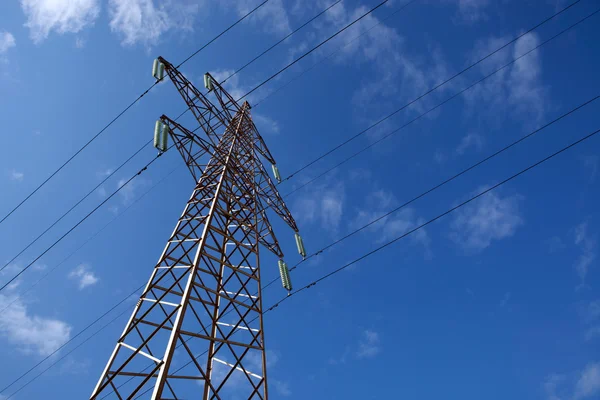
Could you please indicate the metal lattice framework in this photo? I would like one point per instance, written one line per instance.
(197, 329)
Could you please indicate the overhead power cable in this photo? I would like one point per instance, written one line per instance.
(82, 220)
(379, 22)
(318, 46)
(53, 174)
(439, 185)
(89, 239)
(421, 226)
(328, 152)
(65, 355)
(428, 191)
(465, 171)
(75, 205)
(150, 141)
(439, 105)
(256, 87)
(408, 233)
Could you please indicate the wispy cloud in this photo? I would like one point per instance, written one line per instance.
(143, 22)
(7, 40)
(588, 384)
(322, 204)
(587, 246)
(61, 16)
(378, 203)
(471, 140)
(517, 89)
(491, 217)
(128, 191)
(552, 385)
(104, 173)
(370, 345)
(266, 124)
(15, 175)
(580, 385)
(590, 314)
(282, 388)
(84, 276)
(472, 10)
(592, 333)
(31, 333)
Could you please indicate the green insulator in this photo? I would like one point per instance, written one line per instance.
(276, 173)
(300, 245)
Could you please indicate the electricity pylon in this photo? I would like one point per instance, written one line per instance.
(197, 329)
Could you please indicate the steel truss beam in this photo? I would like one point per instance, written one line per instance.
(209, 267)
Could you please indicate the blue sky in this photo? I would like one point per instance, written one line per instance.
(497, 300)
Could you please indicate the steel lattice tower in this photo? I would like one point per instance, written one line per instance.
(197, 330)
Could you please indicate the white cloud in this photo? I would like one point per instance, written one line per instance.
(7, 40)
(587, 245)
(592, 333)
(282, 388)
(16, 176)
(141, 21)
(233, 85)
(128, 191)
(389, 73)
(588, 384)
(583, 384)
(369, 346)
(265, 124)
(551, 386)
(104, 173)
(31, 333)
(516, 89)
(380, 202)
(471, 140)
(323, 204)
(79, 43)
(84, 276)
(490, 217)
(62, 16)
(472, 10)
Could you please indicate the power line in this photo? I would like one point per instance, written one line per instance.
(421, 226)
(318, 46)
(148, 142)
(379, 22)
(428, 191)
(563, 32)
(121, 113)
(252, 90)
(75, 205)
(280, 41)
(89, 239)
(222, 33)
(443, 183)
(97, 319)
(328, 275)
(430, 91)
(66, 355)
(83, 219)
(438, 105)
(269, 49)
